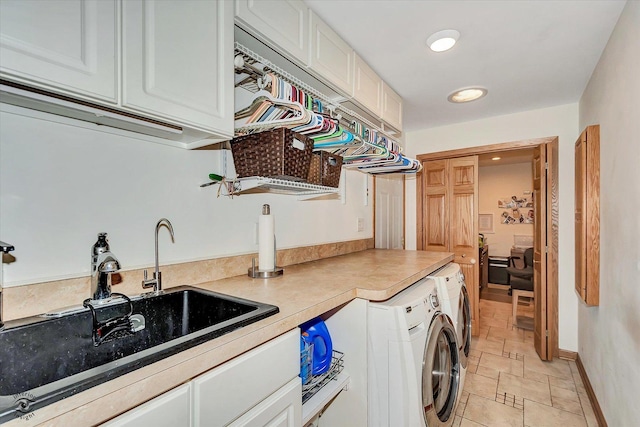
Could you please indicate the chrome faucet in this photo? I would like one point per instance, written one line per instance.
(156, 282)
(103, 265)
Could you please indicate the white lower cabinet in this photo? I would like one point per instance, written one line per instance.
(172, 409)
(258, 388)
(281, 409)
(348, 328)
(229, 391)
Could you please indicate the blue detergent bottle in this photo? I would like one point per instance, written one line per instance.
(315, 332)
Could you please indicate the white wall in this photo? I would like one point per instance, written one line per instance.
(497, 182)
(60, 185)
(561, 121)
(609, 335)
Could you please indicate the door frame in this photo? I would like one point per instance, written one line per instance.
(552, 237)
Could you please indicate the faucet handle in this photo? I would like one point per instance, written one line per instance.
(147, 283)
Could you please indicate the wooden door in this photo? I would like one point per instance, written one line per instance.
(545, 205)
(435, 209)
(587, 215)
(463, 225)
(450, 218)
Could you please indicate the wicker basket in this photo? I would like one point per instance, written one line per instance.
(325, 169)
(278, 153)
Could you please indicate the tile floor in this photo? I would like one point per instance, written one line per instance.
(508, 385)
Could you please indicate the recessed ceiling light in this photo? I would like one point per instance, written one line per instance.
(442, 40)
(496, 158)
(467, 95)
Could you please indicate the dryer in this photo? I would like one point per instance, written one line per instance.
(414, 364)
(452, 291)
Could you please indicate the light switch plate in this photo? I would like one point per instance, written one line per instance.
(360, 224)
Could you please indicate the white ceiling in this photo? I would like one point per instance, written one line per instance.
(528, 54)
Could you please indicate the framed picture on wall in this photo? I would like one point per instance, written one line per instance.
(485, 223)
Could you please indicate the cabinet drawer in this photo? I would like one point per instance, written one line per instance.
(228, 391)
(172, 409)
(282, 409)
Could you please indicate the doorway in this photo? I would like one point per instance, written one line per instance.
(545, 225)
(505, 225)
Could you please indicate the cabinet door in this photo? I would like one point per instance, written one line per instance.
(172, 409)
(282, 409)
(61, 45)
(331, 57)
(285, 23)
(391, 107)
(367, 87)
(177, 61)
(587, 215)
(230, 390)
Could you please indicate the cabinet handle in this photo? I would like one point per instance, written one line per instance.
(464, 255)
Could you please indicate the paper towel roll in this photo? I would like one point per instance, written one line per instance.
(266, 240)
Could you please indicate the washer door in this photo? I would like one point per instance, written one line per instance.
(464, 325)
(440, 372)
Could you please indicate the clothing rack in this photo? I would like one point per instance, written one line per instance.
(253, 74)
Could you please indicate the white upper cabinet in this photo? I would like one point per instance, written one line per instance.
(66, 45)
(177, 60)
(367, 87)
(331, 57)
(391, 107)
(285, 23)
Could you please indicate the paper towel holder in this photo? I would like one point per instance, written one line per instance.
(268, 274)
(261, 274)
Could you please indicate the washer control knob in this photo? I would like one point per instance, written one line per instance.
(433, 300)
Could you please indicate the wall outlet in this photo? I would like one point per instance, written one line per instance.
(360, 224)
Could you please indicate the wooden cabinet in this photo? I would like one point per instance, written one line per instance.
(331, 57)
(285, 23)
(176, 61)
(68, 46)
(391, 107)
(367, 87)
(587, 215)
(230, 390)
(172, 409)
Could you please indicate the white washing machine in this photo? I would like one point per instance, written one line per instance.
(414, 366)
(454, 300)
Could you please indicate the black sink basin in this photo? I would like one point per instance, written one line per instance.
(45, 359)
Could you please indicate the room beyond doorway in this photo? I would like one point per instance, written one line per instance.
(505, 227)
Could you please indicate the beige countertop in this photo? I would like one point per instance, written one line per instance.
(303, 292)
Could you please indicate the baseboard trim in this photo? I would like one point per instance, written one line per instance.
(602, 422)
(567, 354)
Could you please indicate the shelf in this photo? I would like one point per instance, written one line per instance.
(279, 186)
(319, 400)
